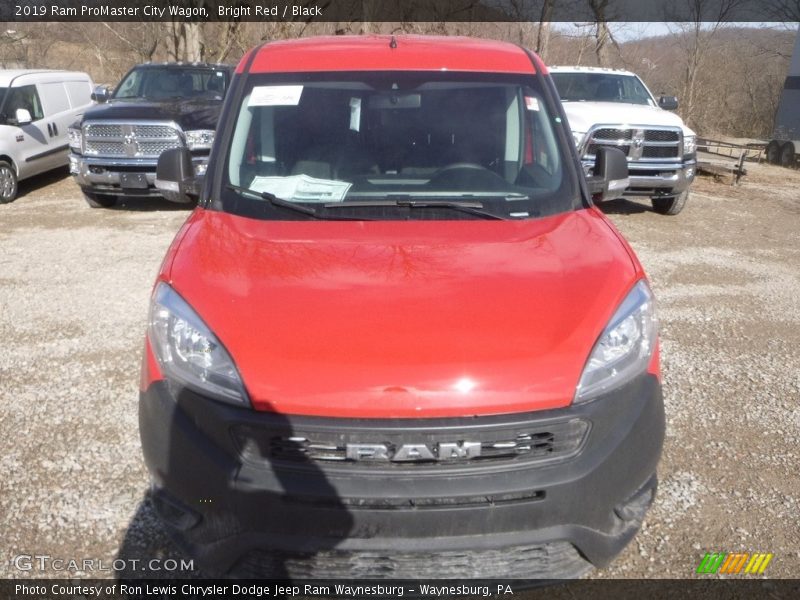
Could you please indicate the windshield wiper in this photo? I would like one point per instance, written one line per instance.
(471, 207)
(276, 201)
(288, 204)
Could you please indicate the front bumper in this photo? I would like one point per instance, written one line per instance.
(655, 179)
(232, 510)
(106, 175)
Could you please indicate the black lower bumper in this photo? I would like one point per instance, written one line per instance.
(235, 498)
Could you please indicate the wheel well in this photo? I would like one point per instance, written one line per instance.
(8, 159)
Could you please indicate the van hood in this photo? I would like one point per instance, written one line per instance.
(397, 319)
(583, 115)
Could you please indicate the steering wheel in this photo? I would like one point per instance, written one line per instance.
(460, 165)
(472, 174)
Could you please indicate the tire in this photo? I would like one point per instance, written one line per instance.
(177, 198)
(773, 152)
(8, 182)
(787, 155)
(99, 200)
(670, 206)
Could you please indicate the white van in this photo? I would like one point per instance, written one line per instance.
(36, 110)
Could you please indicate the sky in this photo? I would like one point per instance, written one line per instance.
(624, 32)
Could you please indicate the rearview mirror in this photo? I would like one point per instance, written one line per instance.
(23, 116)
(391, 100)
(609, 178)
(668, 102)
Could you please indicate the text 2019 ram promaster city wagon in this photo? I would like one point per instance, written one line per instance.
(396, 338)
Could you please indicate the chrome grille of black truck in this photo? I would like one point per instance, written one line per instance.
(129, 140)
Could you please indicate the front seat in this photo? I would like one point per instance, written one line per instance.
(607, 91)
(167, 86)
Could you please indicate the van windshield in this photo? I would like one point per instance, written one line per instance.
(377, 145)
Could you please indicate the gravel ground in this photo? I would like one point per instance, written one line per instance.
(74, 287)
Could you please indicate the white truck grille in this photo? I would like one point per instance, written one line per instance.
(638, 143)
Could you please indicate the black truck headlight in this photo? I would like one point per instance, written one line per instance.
(199, 139)
(75, 139)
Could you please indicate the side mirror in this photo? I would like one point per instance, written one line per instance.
(668, 102)
(609, 178)
(101, 94)
(175, 175)
(23, 116)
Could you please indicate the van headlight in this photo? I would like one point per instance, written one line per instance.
(188, 352)
(75, 139)
(624, 348)
(199, 139)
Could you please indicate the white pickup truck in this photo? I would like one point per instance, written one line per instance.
(608, 107)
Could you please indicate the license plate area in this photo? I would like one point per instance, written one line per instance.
(136, 181)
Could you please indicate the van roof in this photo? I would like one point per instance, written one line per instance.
(8, 75)
(381, 53)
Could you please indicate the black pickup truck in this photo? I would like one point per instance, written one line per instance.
(156, 107)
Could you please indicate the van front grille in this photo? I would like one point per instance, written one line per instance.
(399, 449)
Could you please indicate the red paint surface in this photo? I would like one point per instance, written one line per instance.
(373, 53)
(654, 368)
(151, 372)
(405, 318)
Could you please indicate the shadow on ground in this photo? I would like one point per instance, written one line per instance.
(148, 552)
(623, 206)
(148, 204)
(34, 184)
(256, 508)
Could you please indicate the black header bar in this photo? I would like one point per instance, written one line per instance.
(347, 589)
(398, 10)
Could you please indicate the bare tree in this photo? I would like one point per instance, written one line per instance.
(783, 10)
(696, 38)
(602, 34)
(12, 48)
(543, 31)
(139, 38)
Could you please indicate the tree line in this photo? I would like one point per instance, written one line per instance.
(727, 79)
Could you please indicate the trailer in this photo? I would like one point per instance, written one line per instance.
(784, 147)
(724, 159)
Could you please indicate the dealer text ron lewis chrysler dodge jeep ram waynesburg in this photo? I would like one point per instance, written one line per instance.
(396, 338)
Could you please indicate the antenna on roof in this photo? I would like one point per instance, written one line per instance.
(393, 43)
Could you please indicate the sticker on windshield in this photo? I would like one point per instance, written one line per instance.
(531, 103)
(355, 114)
(302, 188)
(275, 95)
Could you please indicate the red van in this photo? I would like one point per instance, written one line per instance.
(396, 338)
